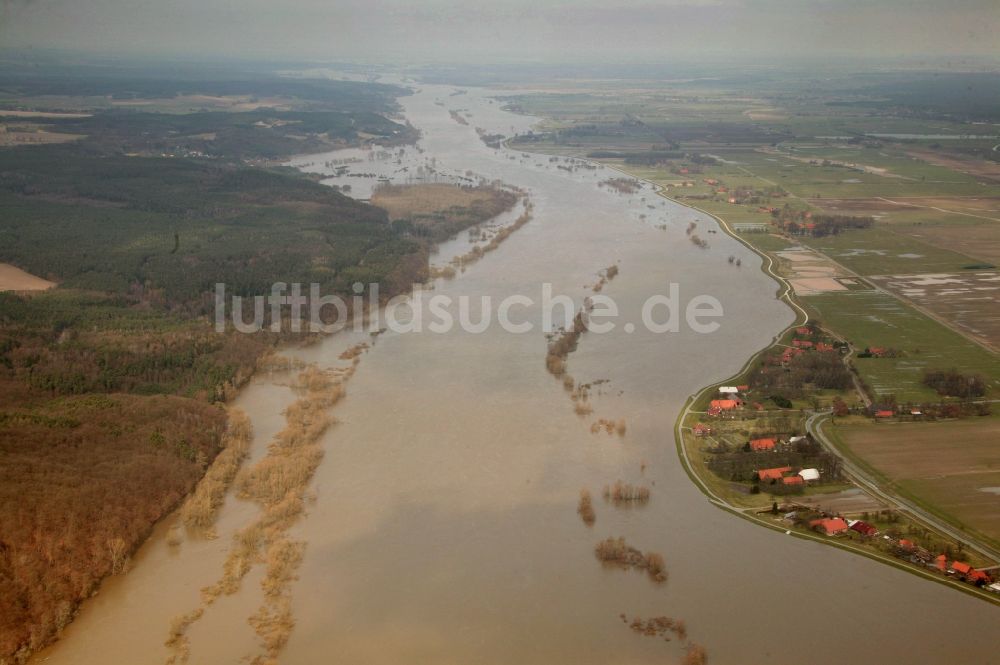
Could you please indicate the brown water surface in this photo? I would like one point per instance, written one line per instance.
(444, 528)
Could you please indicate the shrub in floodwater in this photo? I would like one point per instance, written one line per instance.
(273, 623)
(555, 364)
(696, 655)
(283, 559)
(202, 507)
(656, 566)
(653, 627)
(623, 493)
(586, 508)
(615, 551)
(354, 351)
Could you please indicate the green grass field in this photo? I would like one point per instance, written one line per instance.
(875, 318)
(881, 251)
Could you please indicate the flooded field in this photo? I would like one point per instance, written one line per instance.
(442, 526)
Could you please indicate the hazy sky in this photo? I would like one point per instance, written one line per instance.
(480, 30)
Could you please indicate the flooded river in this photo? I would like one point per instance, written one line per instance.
(444, 525)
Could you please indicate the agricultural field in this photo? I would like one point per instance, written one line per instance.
(880, 250)
(22, 133)
(950, 468)
(13, 278)
(876, 318)
(969, 301)
(978, 241)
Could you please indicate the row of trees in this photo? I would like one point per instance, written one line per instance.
(800, 221)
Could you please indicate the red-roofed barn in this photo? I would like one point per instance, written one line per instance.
(773, 474)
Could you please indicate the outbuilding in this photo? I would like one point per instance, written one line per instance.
(809, 475)
(864, 528)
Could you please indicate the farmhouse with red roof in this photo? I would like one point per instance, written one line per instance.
(773, 474)
(960, 567)
(830, 526)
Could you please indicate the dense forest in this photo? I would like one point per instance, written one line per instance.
(83, 480)
(111, 384)
(164, 231)
(264, 133)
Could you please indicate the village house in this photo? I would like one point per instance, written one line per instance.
(959, 568)
(829, 526)
(790, 353)
(978, 577)
(718, 406)
(762, 445)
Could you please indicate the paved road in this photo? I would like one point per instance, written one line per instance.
(814, 424)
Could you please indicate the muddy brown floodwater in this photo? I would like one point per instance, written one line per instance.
(444, 526)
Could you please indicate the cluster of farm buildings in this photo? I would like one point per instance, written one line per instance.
(838, 526)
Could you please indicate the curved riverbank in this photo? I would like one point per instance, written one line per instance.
(787, 295)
